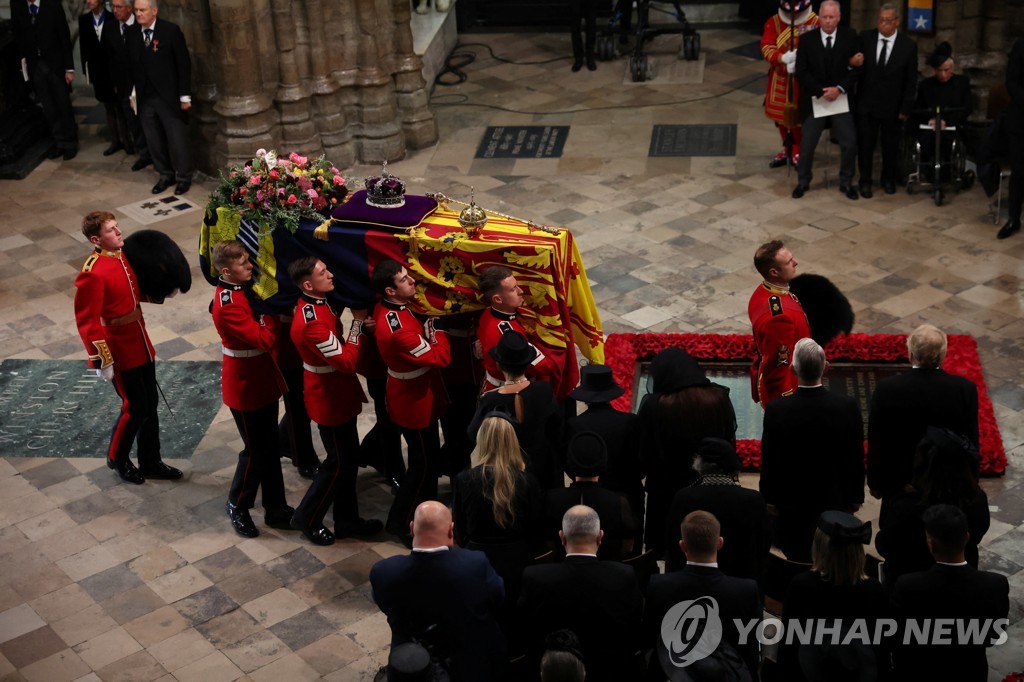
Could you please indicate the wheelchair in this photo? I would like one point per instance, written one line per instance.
(640, 67)
(934, 175)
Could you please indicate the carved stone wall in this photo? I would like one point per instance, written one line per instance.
(337, 77)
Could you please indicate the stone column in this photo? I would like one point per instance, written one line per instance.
(245, 115)
(298, 131)
(418, 124)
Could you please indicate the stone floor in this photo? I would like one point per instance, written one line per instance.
(100, 580)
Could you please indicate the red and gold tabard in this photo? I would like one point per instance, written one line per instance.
(333, 393)
(250, 378)
(493, 324)
(415, 391)
(775, 41)
(778, 322)
(108, 312)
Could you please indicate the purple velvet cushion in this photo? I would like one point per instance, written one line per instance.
(357, 211)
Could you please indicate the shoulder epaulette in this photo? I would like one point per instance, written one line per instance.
(775, 304)
(308, 313)
(225, 296)
(393, 321)
(90, 261)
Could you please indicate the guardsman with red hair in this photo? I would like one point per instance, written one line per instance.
(251, 385)
(334, 399)
(414, 352)
(108, 313)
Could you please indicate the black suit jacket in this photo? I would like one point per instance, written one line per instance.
(164, 69)
(901, 408)
(814, 434)
(817, 70)
(455, 589)
(944, 591)
(598, 600)
(737, 598)
(885, 92)
(115, 49)
(744, 518)
(621, 434)
(94, 56)
(47, 39)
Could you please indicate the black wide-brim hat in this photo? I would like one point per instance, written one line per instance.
(597, 385)
(513, 350)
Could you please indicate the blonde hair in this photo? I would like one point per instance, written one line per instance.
(841, 563)
(497, 453)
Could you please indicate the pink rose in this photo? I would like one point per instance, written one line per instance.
(338, 181)
(255, 180)
(292, 199)
(273, 175)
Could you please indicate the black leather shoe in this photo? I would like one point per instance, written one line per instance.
(799, 191)
(128, 472)
(358, 528)
(53, 153)
(161, 472)
(591, 64)
(70, 154)
(779, 160)
(183, 187)
(1011, 227)
(162, 185)
(319, 536)
(850, 192)
(112, 149)
(577, 65)
(865, 191)
(279, 517)
(308, 473)
(241, 521)
(889, 187)
(141, 163)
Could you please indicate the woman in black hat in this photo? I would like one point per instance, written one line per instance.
(683, 408)
(951, 93)
(531, 403)
(835, 588)
(945, 472)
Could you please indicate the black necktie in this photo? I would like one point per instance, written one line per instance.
(123, 27)
(149, 36)
(33, 9)
(828, 42)
(885, 52)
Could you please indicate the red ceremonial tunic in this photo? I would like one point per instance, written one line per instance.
(778, 322)
(493, 324)
(108, 312)
(249, 377)
(332, 391)
(774, 42)
(415, 392)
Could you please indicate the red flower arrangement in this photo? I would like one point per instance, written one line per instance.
(624, 351)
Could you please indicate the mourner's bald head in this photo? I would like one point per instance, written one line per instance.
(432, 525)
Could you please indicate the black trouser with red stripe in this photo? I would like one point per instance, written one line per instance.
(294, 433)
(259, 465)
(138, 420)
(420, 481)
(335, 482)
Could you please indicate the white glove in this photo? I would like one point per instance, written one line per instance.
(106, 373)
(788, 58)
(791, 68)
(428, 329)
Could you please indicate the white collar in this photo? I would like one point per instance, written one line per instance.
(430, 550)
(713, 564)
